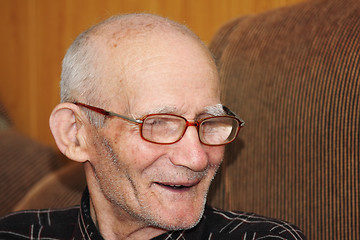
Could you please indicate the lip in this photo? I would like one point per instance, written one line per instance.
(178, 185)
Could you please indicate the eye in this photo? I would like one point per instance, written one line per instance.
(155, 122)
(158, 122)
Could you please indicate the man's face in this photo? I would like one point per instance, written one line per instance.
(152, 184)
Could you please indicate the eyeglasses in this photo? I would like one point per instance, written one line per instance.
(170, 128)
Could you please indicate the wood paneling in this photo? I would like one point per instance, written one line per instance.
(36, 33)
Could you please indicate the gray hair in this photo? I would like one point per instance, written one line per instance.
(78, 75)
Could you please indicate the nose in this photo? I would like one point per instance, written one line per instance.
(190, 153)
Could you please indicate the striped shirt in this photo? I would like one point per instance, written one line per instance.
(76, 223)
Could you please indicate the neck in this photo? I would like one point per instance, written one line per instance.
(111, 226)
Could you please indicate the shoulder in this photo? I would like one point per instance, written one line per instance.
(33, 223)
(235, 225)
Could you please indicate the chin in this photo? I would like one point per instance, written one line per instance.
(181, 221)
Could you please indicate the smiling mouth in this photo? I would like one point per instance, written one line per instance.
(176, 186)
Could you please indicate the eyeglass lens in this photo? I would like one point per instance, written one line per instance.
(218, 130)
(168, 129)
(163, 128)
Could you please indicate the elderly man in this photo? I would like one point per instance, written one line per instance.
(149, 158)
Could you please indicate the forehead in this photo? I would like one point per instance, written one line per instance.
(168, 71)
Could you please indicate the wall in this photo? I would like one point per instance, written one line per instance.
(36, 34)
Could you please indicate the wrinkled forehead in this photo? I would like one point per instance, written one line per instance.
(169, 63)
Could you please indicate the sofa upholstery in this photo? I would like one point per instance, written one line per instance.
(58, 189)
(23, 161)
(293, 75)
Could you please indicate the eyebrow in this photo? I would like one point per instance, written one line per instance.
(216, 110)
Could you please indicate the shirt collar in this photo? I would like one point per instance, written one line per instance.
(86, 228)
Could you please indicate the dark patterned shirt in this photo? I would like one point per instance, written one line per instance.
(76, 223)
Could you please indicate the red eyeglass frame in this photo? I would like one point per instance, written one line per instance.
(188, 123)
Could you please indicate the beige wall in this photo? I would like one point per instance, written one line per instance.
(36, 33)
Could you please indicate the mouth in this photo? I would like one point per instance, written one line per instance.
(177, 186)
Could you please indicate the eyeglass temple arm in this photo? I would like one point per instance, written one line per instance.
(108, 113)
(124, 117)
(231, 113)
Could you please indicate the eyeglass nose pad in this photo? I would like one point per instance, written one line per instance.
(192, 124)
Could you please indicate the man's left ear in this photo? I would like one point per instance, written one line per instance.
(67, 126)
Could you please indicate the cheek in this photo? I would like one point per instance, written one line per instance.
(132, 149)
(144, 154)
(215, 154)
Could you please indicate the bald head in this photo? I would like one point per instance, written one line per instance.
(99, 61)
(132, 25)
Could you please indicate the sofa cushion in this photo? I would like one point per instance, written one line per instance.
(23, 163)
(58, 189)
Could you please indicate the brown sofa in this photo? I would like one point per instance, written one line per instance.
(293, 75)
